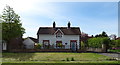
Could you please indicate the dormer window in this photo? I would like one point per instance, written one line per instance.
(58, 35)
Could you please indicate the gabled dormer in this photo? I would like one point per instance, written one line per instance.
(59, 33)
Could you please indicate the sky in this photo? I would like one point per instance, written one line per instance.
(91, 16)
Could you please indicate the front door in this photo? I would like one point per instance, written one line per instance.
(74, 45)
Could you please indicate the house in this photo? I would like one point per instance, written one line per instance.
(30, 42)
(59, 37)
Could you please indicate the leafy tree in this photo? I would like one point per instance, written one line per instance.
(117, 43)
(97, 42)
(114, 44)
(11, 26)
(103, 34)
(82, 45)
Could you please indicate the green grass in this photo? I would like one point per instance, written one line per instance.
(63, 62)
(52, 56)
(60, 64)
(116, 50)
(55, 58)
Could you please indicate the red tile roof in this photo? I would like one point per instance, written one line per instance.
(65, 30)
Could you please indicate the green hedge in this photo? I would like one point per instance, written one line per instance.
(98, 41)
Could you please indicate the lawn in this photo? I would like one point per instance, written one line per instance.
(55, 58)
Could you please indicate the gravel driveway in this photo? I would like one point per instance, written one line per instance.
(114, 55)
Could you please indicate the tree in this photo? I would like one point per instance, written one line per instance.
(11, 26)
(98, 42)
(117, 44)
(103, 34)
(95, 42)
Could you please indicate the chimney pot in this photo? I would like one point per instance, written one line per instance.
(54, 24)
(69, 24)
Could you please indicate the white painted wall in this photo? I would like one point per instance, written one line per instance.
(65, 39)
(29, 44)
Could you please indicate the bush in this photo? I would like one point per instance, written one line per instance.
(115, 44)
(38, 46)
(82, 45)
(97, 42)
(72, 59)
(67, 59)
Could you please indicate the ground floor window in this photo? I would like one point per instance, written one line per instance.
(46, 44)
(59, 44)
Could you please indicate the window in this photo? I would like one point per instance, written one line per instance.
(46, 44)
(58, 35)
(59, 44)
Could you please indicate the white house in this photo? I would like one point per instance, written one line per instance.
(30, 42)
(59, 37)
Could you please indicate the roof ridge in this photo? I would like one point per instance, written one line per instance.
(51, 30)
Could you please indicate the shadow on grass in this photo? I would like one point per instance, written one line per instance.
(17, 56)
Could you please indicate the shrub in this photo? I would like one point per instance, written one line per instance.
(82, 45)
(115, 44)
(38, 46)
(97, 42)
(72, 59)
(67, 59)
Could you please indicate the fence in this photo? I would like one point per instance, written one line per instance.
(94, 49)
(40, 50)
(58, 50)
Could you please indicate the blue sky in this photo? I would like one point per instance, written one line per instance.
(91, 17)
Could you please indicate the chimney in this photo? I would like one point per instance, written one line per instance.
(69, 24)
(54, 24)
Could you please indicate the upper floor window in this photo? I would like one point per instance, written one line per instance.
(59, 35)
